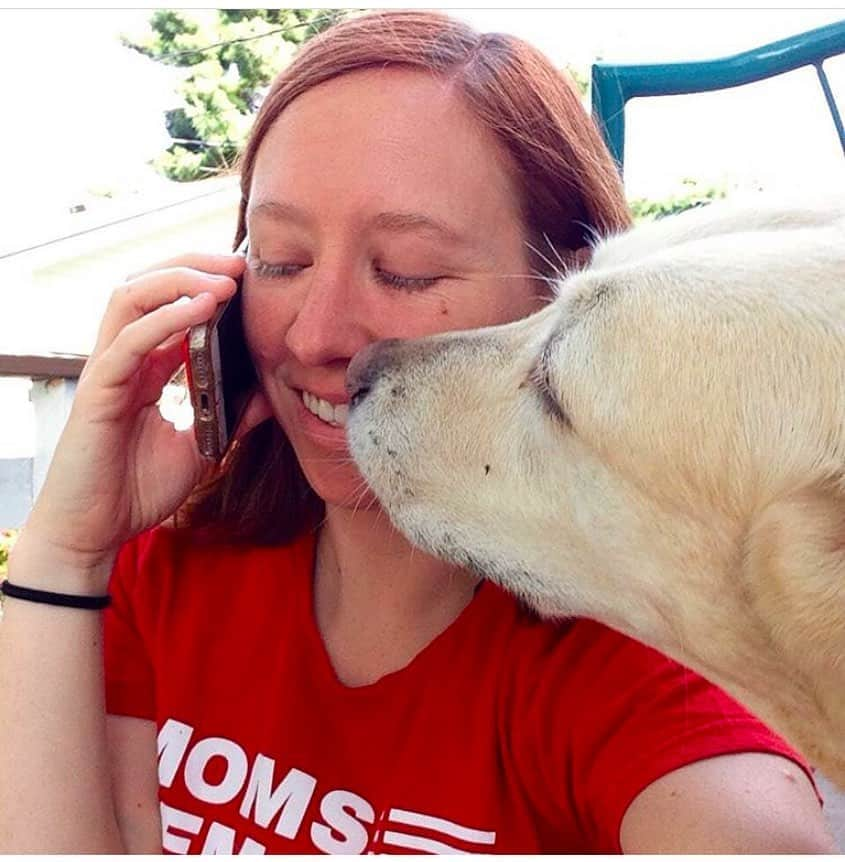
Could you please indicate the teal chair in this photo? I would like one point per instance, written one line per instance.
(613, 84)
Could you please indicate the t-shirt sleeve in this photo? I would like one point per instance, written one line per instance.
(129, 678)
(631, 715)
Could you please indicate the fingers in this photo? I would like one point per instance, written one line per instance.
(156, 288)
(230, 265)
(125, 355)
(158, 368)
(176, 342)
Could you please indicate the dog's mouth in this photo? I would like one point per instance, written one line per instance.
(366, 367)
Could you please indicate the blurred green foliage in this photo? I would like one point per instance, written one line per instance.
(7, 539)
(226, 72)
(693, 194)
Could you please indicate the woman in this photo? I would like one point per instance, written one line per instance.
(311, 682)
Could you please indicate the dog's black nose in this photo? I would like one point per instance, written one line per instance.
(366, 366)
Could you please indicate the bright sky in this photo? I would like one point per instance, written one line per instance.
(741, 136)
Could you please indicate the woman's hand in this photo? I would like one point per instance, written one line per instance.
(119, 467)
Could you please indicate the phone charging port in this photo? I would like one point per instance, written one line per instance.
(204, 403)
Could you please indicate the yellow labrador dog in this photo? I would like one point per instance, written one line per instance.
(662, 448)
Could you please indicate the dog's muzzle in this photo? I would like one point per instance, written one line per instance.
(367, 365)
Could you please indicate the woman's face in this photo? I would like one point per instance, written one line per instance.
(379, 208)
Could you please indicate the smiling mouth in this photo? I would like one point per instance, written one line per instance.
(331, 414)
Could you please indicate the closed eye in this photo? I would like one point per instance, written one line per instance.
(383, 276)
(404, 282)
(276, 270)
(540, 378)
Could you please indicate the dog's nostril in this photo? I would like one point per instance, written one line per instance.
(365, 367)
(358, 396)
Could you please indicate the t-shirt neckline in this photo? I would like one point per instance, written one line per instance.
(430, 654)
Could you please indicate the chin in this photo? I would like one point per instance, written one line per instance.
(325, 462)
(340, 486)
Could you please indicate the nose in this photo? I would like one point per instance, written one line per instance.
(329, 323)
(367, 365)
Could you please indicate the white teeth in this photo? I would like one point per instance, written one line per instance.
(327, 412)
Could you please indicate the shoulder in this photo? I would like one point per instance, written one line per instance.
(554, 659)
(749, 802)
(164, 546)
(172, 590)
(597, 717)
(164, 561)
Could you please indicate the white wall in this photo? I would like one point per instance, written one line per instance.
(15, 491)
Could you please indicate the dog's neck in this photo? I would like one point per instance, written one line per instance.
(726, 635)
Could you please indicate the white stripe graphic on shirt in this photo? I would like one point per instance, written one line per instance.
(440, 824)
(415, 842)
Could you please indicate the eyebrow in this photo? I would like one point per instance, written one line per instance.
(391, 222)
(278, 211)
(404, 222)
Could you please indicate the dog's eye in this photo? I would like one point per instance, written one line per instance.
(541, 383)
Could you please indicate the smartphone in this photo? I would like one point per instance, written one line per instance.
(221, 375)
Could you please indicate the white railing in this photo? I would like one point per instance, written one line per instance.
(54, 379)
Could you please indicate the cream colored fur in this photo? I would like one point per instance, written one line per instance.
(662, 449)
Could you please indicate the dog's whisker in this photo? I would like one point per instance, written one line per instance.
(336, 461)
(593, 235)
(545, 278)
(566, 265)
(362, 493)
(552, 266)
(322, 523)
(358, 494)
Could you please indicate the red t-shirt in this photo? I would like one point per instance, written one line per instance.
(506, 734)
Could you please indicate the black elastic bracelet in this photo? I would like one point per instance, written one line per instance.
(88, 603)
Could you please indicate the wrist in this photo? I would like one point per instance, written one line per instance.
(37, 564)
(49, 597)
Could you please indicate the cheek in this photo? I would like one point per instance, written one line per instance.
(473, 307)
(266, 322)
(529, 300)
(518, 301)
